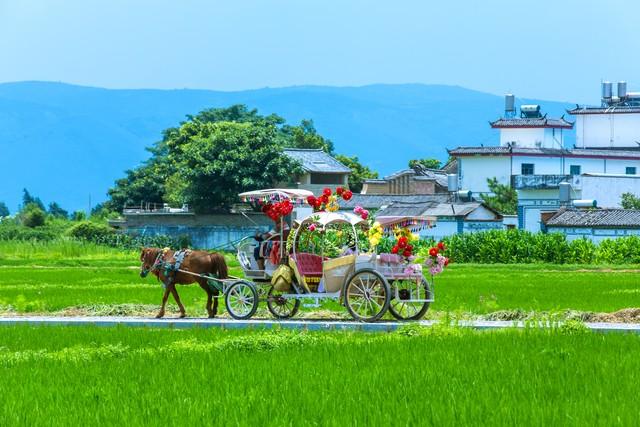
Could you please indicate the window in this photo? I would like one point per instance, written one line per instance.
(631, 170)
(327, 178)
(574, 170)
(527, 169)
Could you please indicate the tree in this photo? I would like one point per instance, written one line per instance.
(4, 210)
(306, 136)
(32, 216)
(359, 173)
(216, 161)
(28, 199)
(79, 216)
(56, 211)
(504, 198)
(427, 163)
(629, 201)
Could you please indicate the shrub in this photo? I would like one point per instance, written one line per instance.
(32, 216)
(90, 231)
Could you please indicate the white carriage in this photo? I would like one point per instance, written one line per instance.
(367, 284)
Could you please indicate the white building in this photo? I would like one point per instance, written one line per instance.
(533, 159)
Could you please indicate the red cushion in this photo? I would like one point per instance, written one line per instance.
(308, 264)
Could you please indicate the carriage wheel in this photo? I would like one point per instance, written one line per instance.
(281, 307)
(241, 300)
(366, 295)
(402, 307)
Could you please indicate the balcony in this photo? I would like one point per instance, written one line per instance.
(538, 182)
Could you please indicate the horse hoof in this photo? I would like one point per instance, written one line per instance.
(182, 315)
(211, 316)
(159, 315)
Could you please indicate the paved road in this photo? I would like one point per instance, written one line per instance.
(289, 324)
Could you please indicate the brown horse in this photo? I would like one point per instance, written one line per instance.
(154, 260)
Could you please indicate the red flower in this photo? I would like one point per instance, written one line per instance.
(311, 200)
(433, 251)
(324, 198)
(441, 246)
(347, 194)
(394, 250)
(402, 242)
(365, 215)
(406, 253)
(446, 262)
(339, 191)
(327, 192)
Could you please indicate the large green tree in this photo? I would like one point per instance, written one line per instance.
(359, 172)
(180, 170)
(216, 161)
(503, 198)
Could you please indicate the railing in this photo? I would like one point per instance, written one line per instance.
(538, 182)
(154, 208)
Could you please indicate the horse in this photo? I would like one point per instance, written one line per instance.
(197, 262)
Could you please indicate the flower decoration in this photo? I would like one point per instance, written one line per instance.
(436, 262)
(375, 234)
(359, 210)
(277, 210)
(329, 200)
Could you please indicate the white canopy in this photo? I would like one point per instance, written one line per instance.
(325, 218)
(279, 193)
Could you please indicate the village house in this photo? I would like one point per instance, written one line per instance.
(532, 157)
(416, 180)
(320, 170)
(593, 224)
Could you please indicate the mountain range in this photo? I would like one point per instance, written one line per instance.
(68, 143)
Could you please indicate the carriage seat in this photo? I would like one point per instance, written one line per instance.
(308, 264)
(390, 258)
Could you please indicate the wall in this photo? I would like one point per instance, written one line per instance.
(596, 235)
(608, 190)
(474, 172)
(607, 130)
(523, 137)
(204, 231)
(531, 203)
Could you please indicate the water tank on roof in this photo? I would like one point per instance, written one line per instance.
(585, 203)
(531, 110)
(452, 182)
(622, 90)
(509, 105)
(464, 194)
(607, 91)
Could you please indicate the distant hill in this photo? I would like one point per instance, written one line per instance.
(68, 143)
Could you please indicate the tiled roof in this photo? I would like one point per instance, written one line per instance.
(376, 201)
(431, 208)
(614, 218)
(604, 110)
(313, 160)
(438, 175)
(576, 152)
(538, 122)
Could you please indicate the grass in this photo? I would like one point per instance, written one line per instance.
(445, 376)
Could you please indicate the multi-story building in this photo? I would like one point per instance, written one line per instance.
(533, 158)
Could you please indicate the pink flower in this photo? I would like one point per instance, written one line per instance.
(312, 227)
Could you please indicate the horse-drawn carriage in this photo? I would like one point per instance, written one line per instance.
(308, 264)
(367, 284)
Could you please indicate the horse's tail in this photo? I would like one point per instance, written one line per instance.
(219, 265)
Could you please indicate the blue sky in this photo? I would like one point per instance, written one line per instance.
(556, 50)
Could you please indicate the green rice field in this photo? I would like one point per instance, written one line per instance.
(90, 279)
(436, 376)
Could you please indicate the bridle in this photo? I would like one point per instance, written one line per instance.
(154, 268)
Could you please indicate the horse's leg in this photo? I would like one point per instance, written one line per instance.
(174, 292)
(165, 297)
(205, 287)
(216, 292)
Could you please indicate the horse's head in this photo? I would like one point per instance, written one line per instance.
(149, 258)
